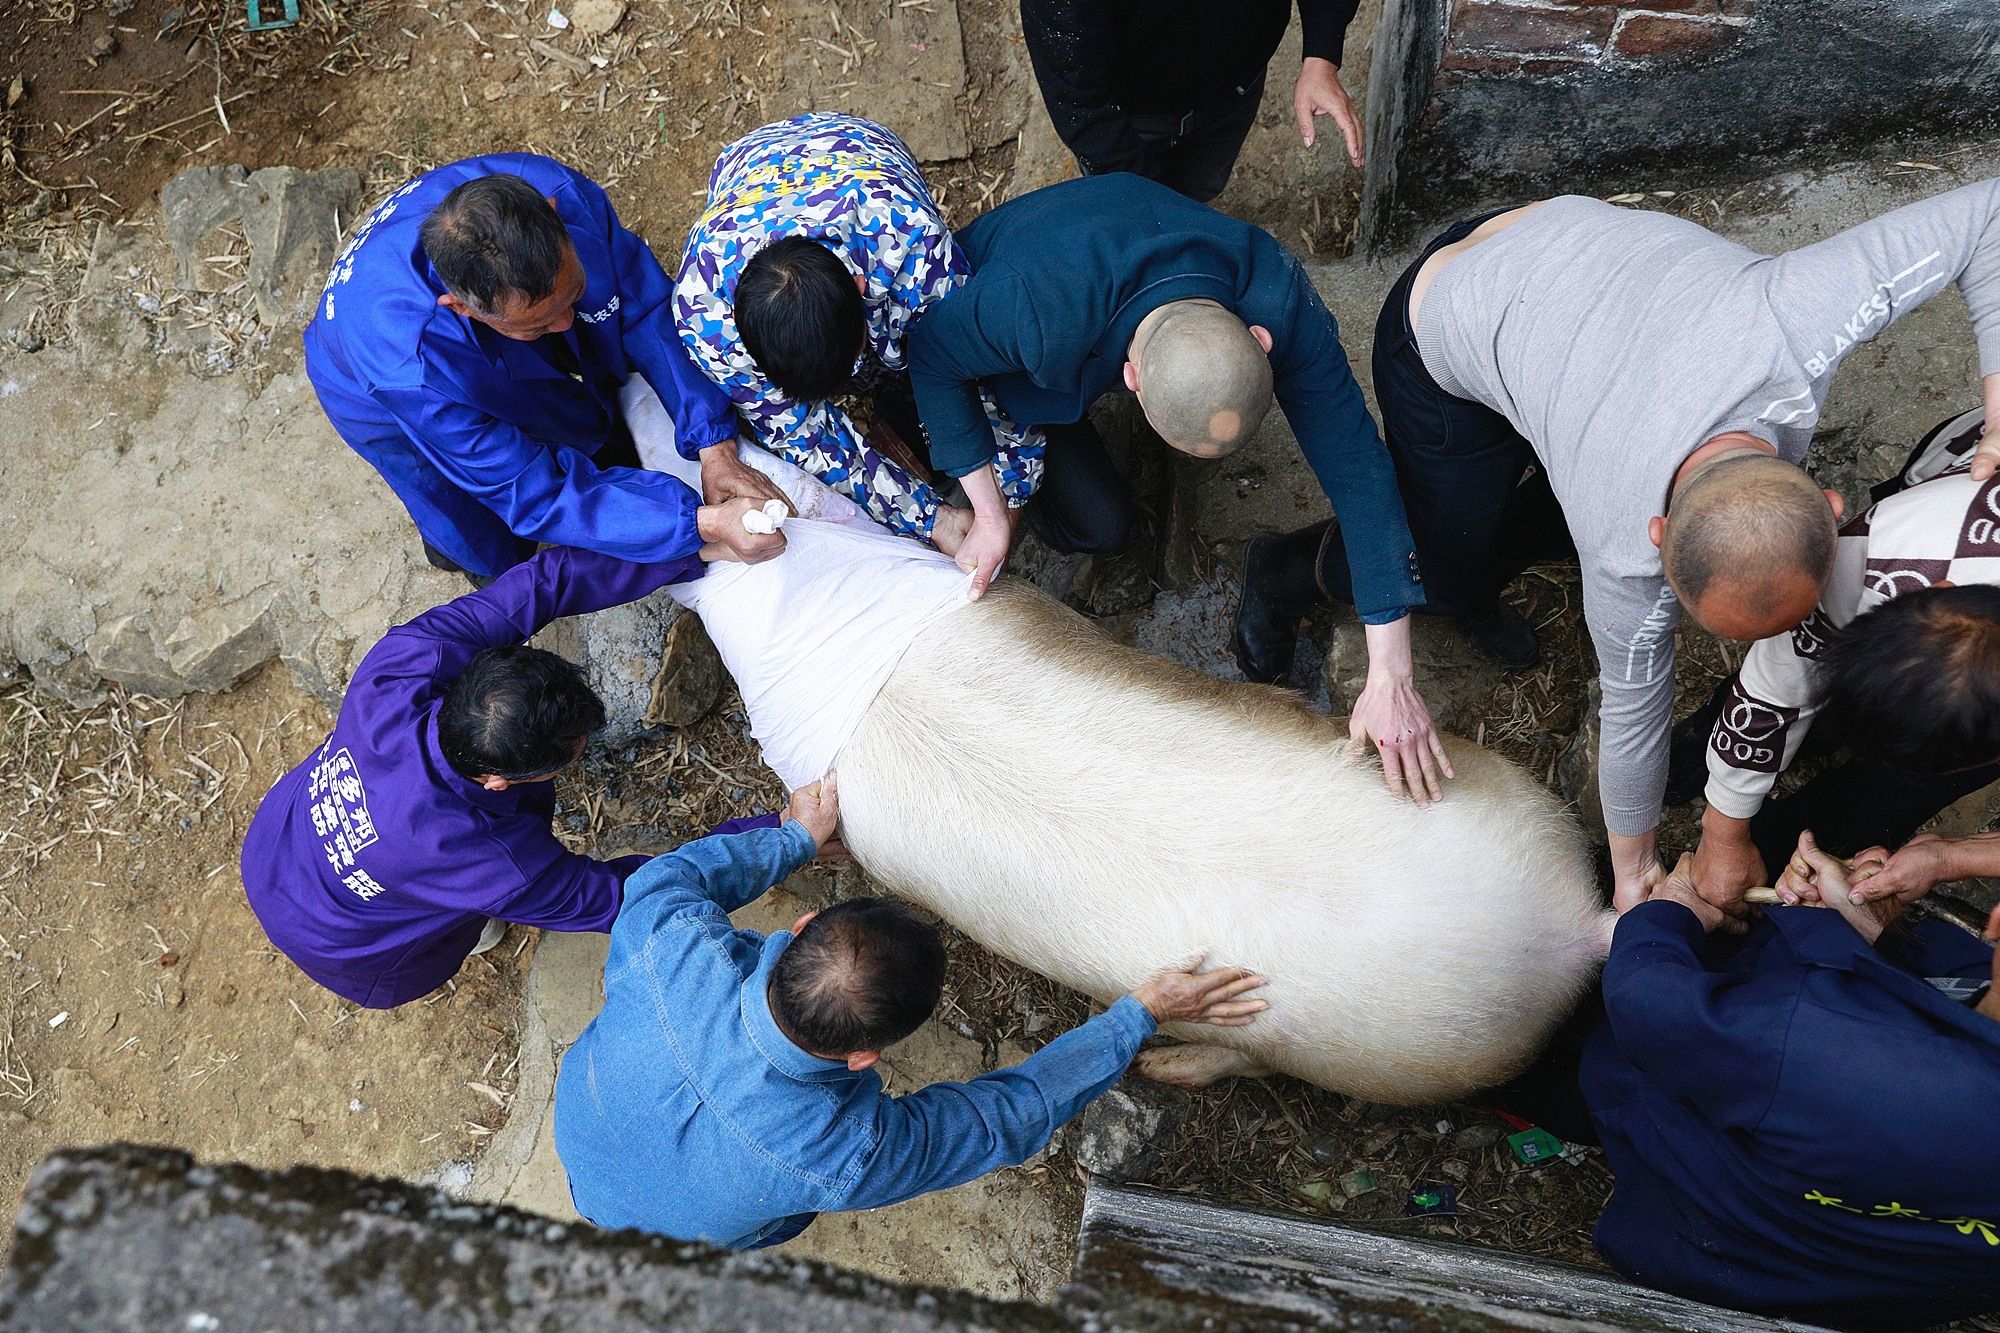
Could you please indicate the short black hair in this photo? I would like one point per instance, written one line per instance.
(801, 317)
(1914, 683)
(493, 237)
(861, 976)
(515, 713)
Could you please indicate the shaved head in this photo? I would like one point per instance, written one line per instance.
(1749, 545)
(1204, 380)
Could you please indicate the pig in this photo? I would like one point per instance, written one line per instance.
(1097, 814)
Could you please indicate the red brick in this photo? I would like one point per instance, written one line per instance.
(1661, 34)
(1593, 4)
(1711, 8)
(1536, 32)
(1483, 62)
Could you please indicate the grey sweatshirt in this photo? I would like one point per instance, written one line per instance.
(1618, 342)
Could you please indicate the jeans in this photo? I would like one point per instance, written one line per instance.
(1196, 150)
(1479, 503)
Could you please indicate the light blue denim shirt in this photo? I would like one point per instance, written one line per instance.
(684, 1110)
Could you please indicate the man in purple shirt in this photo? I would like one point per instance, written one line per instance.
(375, 864)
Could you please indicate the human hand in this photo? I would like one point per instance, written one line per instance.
(1831, 876)
(1906, 875)
(725, 476)
(1318, 93)
(1181, 995)
(1986, 458)
(1679, 887)
(1635, 869)
(817, 806)
(721, 526)
(1391, 714)
(984, 549)
(1797, 886)
(949, 528)
(1727, 862)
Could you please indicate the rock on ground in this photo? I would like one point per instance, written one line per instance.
(1122, 1134)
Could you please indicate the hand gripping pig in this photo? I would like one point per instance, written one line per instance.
(1097, 814)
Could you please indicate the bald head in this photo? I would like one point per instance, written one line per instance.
(1748, 545)
(1203, 379)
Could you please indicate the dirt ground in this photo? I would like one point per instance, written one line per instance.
(141, 999)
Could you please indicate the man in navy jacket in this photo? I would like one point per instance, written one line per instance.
(375, 864)
(470, 344)
(1801, 1120)
(1066, 282)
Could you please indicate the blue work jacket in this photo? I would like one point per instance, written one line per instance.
(1061, 279)
(374, 864)
(483, 437)
(1801, 1125)
(684, 1110)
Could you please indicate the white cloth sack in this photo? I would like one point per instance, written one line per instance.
(810, 636)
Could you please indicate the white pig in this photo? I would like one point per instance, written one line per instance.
(1098, 814)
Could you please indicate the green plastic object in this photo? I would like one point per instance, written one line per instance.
(1357, 1182)
(257, 23)
(1535, 1145)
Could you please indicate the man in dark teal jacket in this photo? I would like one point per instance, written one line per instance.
(1068, 284)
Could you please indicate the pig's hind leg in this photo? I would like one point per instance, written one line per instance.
(1196, 1066)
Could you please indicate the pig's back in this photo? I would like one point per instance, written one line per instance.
(1096, 814)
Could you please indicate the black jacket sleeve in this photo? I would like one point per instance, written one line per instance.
(1073, 46)
(1324, 25)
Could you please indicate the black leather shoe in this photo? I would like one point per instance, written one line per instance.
(1504, 636)
(1280, 584)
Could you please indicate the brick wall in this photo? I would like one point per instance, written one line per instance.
(1539, 38)
(1479, 103)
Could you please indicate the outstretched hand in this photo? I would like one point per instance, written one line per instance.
(1182, 995)
(1391, 715)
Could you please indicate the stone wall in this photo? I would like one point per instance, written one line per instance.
(1501, 101)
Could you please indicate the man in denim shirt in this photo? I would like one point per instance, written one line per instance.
(726, 1092)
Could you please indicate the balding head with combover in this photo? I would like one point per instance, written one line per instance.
(1748, 544)
(1203, 379)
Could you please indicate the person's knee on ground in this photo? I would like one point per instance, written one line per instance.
(517, 714)
(856, 979)
(800, 314)
(1203, 379)
(1748, 544)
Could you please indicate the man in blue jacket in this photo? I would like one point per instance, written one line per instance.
(470, 343)
(727, 1091)
(1075, 289)
(1800, 1119)
(376, 863)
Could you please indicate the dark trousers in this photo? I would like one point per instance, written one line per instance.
(1548, 1092)
(1082, 504)
(1849, 807)
(1196, 150)
(1478, 501)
